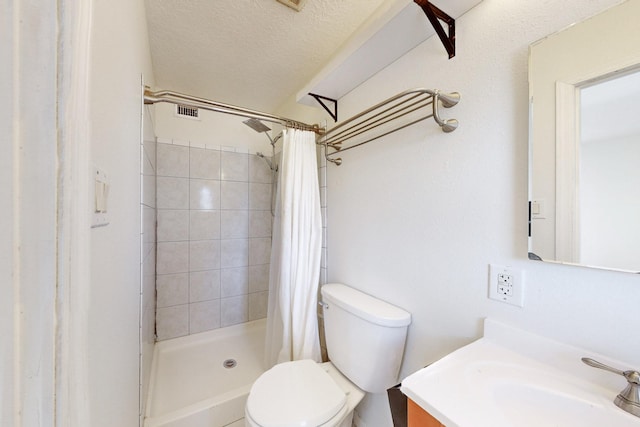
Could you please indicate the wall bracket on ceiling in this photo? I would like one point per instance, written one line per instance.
(434, 14)
(321, 100)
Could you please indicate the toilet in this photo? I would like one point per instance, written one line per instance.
(365, 342)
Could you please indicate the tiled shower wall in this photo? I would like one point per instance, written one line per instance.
(322, 182)
(214, 238)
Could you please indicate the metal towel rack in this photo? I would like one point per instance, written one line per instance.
(391, 115)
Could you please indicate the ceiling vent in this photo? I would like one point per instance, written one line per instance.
(294, 4)
(187, 112)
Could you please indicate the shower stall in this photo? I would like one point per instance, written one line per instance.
(214, 205)
(214, 222)
(214, 202)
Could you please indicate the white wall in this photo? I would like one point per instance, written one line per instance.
(120, 56)
(416, 219)
(7, 292)
(28, 215)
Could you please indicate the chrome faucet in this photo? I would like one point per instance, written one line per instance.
(629, 398)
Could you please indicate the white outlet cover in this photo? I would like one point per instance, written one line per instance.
(515, 278)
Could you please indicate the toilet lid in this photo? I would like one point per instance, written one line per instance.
(298, 393)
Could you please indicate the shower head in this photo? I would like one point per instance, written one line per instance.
(257, 125)
(260, 127)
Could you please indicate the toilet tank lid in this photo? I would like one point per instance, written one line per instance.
(365, 306)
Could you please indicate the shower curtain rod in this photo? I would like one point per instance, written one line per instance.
(206, 104)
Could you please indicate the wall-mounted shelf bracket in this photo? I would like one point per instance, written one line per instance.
(321, 100)
(436, 15)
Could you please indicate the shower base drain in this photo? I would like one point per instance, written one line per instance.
(229, 363)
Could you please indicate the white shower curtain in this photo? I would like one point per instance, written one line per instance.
(292, 323)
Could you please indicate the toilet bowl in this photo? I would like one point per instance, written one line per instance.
(365, 343)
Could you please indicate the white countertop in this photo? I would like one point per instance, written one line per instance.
(511, 377)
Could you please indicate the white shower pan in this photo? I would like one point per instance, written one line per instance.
(193, 383)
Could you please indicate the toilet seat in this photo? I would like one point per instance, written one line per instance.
(299, 393)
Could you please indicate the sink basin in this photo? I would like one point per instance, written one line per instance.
(526, 397)
(519, 403)
(513, 378)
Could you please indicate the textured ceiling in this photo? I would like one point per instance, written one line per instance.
(251, 53)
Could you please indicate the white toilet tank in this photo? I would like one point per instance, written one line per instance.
(365, 336)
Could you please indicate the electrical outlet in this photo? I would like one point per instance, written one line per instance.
(506, 284)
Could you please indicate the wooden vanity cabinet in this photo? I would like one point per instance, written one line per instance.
(418, 417)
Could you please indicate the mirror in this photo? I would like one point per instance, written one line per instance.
(584, 165)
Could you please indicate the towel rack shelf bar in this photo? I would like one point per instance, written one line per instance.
(376, 122)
